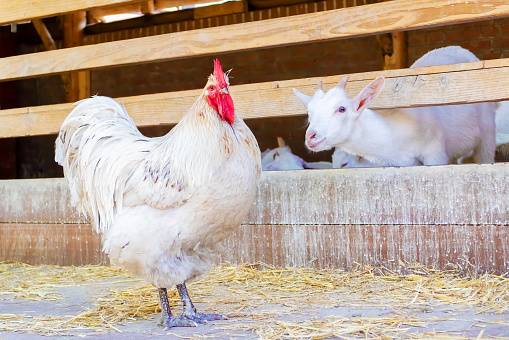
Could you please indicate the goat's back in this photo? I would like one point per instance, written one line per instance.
(445, 56)
(467, 128)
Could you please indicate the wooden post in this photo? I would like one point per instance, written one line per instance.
(79, 85)
(394, 50)
(147, 7)
(399, 42)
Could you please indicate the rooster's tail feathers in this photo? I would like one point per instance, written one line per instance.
(98, 146)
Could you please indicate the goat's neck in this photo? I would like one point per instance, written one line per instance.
(371, 136)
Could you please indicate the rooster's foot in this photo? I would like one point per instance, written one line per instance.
(202, 318)
(180, 321)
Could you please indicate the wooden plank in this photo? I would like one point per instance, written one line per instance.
(162, 4)
(142, 7)
(61, 244)
(478, 249)
(335, 24)
(436, 195)
(98, 14)
(15, 10)
(474, 248)
(37, 201)
(437, 85)
(220, 9)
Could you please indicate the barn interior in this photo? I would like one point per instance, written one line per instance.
(151, 56)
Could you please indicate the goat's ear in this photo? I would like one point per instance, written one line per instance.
(304, 98)
(367, 95)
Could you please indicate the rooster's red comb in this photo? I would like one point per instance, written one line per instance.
(219, 74)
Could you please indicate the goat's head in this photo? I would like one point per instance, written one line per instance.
(333, 116)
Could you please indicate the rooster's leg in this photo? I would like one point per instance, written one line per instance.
(167, 319)
(190, 311)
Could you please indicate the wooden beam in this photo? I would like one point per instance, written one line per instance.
(394, 50)
(142, 7)
(42, 30)
(22, 10)
(64, 244)
(471, 188)
(100, 13)
(147, 7)
(220, 9)
(77, 85)
(162, 4)
(400, 57)
(386, 49)
(473, 248)
(334, 24)
(436, 85)
(315, 245)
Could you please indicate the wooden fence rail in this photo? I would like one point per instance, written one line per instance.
(341, 23)
(437, 85)
(12, 11)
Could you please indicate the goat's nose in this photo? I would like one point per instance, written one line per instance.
(310, 135)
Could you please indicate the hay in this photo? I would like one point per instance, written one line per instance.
(260, 296)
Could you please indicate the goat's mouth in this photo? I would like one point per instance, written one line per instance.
(315, 145)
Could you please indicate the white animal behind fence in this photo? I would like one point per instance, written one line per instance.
(402, 136)
(342, 159)
(282, 158)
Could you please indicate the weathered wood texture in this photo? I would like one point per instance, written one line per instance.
(334, 24)
(16, 10)
(325, 218)
(437, 85)
(477, 248)
(62, 244)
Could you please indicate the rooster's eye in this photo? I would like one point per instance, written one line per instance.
(211, 87)
(341, 109)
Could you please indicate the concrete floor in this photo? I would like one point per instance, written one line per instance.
(429, 320)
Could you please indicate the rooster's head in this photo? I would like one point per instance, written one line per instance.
(218, 95)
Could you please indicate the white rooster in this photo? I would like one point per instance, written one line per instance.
(163, 204)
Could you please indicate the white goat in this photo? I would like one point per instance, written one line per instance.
(404, 136)
(502, 123)
(342, 159)
(282, 158)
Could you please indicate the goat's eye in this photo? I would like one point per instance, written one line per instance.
(341, 109)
